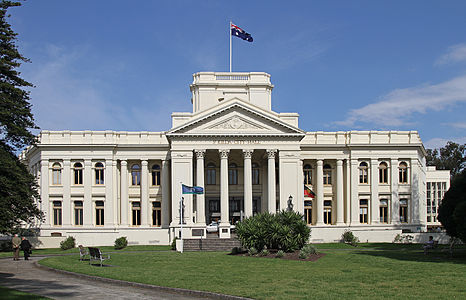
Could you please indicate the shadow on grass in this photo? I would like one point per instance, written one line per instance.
(413, 253)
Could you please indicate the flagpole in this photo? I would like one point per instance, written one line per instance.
(181, 219)
(229, 33)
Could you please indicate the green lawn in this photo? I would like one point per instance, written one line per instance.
(359, 273)
(52, 251)
(10, 294)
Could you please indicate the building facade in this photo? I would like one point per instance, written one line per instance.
(100, 185)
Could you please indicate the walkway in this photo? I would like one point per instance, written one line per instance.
(24, 276)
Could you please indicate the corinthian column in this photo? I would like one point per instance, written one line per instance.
(224, 186)
(271, 183)
(200, 199)
(319, 203)
(247, 183)
(340, 205)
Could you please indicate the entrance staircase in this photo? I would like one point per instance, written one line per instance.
(210, 244)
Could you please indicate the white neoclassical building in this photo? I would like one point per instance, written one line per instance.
(100, 185)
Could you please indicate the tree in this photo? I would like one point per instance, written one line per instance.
(17, 186)
(451, 157)
(452, 211)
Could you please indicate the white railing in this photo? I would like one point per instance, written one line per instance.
(231, 77)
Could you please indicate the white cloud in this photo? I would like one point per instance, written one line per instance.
(455, 53)
(396, 108)
(459, 125)
(436, 143)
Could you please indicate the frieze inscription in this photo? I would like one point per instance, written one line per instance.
(241, 142)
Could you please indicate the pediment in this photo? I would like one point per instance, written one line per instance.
(235, 118)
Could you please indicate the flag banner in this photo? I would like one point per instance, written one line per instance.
(238, 32)
(308, 192)
(196, 190)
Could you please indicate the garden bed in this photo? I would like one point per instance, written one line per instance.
(289, 256)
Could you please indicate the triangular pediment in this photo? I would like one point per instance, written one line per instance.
(235, 118)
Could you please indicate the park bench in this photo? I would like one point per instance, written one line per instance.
(96, 254)
(82, 252)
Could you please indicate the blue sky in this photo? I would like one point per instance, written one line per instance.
(343, 65)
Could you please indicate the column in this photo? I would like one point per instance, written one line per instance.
(165, 194)
(271, 182)
(354, 202)
(108, 181)
(374, 203)
(144, 193)
(394, 212)
(247, 183)
(114, 192)
(124, 193)
(44, 191)
(319, 203)
(88, 205)
(224, 207)
(200, 199)
(340, 205)
(66, 203)
(348, 192)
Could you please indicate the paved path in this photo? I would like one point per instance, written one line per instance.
(24, 276)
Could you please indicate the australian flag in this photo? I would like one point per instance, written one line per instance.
(196, 190)
(238, 32)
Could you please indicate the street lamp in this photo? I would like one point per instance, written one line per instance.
(290, 203)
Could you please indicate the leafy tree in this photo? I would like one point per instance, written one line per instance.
(452, 211)
(451, 157)
(17, 186)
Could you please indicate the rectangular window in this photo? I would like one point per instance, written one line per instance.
(156, 213)
(99, 213)
(363, 178)
(404, 210)
(383, 210)
(328, 212)
(78, 176)
(57, 213)
(383, 175)
(56, 176)
(327, 177)
(211, 176)
(308, 211)
(363, 211)
(256, 200)
(232, 176)
(214, 206)
(136, 213)
(78, 213)
(99, 176)
(255, 176)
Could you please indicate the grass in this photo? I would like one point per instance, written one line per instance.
(53, 251)
(10, 294)
(358, 273)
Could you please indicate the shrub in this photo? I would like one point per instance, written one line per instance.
(280, 254)
(69, 243)
(349, 238)
(309, 249)
(121, 243)
(303, 254)
(398, 239)
(236, 250)
(252, 251)
(285, 230)
(173, 244)
(264, 252)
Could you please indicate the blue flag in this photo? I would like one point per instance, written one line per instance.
(196, 190)
(238, 32)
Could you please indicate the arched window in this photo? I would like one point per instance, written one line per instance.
(99, 173)
(56, 174)
(403, 172)
(255, 173)
(136, 175)
(156, 175)
(307, 175)
(232, 174)
(327, 174)
(383, 172)
(78, 173)
(363, 172)
(211, 174)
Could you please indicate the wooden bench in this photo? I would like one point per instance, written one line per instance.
(82, 252)
(428, 247)
(96, 254)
